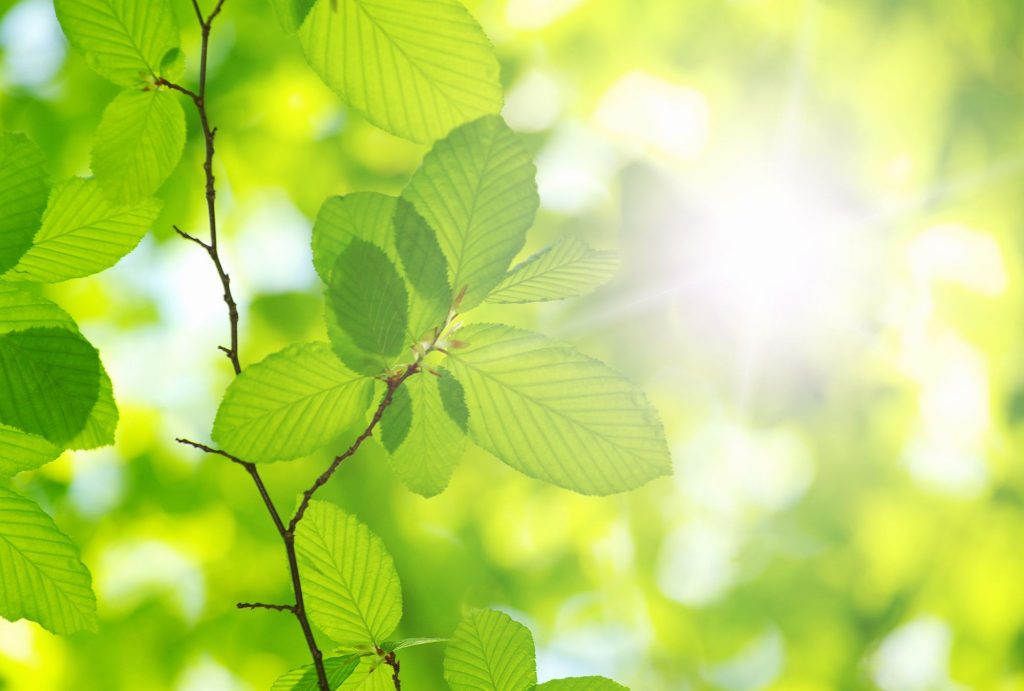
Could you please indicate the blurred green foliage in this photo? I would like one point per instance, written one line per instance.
(817, 206)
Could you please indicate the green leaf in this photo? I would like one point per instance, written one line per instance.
(371, 675)
(364, 215)
(304, 678)
(424, 442)
(101, 425)
(351, 587)
(395, 646)
(369, 305)
(578, 424)
(83, 233)
(291, 13)
(50, 382)
(23, 189)
(477, 190)
(490, 652)
(42, 575)
(124, 41)
(415, 68)
(20, 451)
(581, 684)
(290, 404)
(138, 144)
(566, 269)
(425, 271)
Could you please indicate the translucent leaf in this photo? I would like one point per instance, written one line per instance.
(83, 233)
(477, 190)
(20, 451)
(578, 424)
(395, 646)
(371, 675)
(566, 269)
(50, 382)
(22, 307)
(364, 215)
(424, 443)
(124, 41)
(369, 304)
(415, 68)
(290, 404)
(43, 577)
(581, 684)
(351, 587)
(490, 652)
(101, 425)
(291, 13)
(138, 143)
(304, 678)
(425, 272)
(24, 183)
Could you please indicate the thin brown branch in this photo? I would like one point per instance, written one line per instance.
(392, 660)
(264, 605)
(389, 395)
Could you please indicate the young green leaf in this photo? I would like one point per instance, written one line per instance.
(477, 190)
(424, 442)
(364, 215)
(351, 587)
(138, 143)
(20, 451)
(425, 272)
(290, 404)
(369, 304)
(578, 424)
(43, 577)
(581, 684)
(124, 41)
(415, 68)
(395, 646)
(565, 269)
(490, 652)
(22, 307)
(83, 233)
(51, 382)
(372, 674)
(338, 668)
(291, 13)
(24, 183)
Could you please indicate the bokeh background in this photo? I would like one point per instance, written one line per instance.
(818, 205)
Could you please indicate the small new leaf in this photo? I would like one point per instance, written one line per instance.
(290, 404)
(477, 190)
(351, 586)
(566, 269)
(490, 652)
(43, 577)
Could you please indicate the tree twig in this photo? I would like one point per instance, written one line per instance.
(264, 605)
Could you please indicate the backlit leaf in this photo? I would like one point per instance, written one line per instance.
(43, 577)
(425, 272)
(581, 684)
(415, 68)
(351, 587)
(24, 184)
(338, 668)
(364, 215)
(477, 190)
(566, 269)
(138, 143)
(489, 651)
(125, 41)
(290, 404)
(83, 233)
(578, 424)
